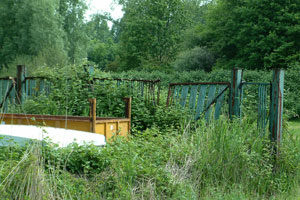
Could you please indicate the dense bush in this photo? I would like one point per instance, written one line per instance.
(195, 59)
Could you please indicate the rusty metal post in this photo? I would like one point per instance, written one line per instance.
(21, 75)
(127, 107)
(276, 107)
(235, 93)
(93, 116)
(128, 110)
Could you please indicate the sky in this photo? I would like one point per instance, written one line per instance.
(101, 6)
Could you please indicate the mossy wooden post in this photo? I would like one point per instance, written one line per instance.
(93, 116)
(235, 93)
(21, 75)
(128, 109)
(276, 107)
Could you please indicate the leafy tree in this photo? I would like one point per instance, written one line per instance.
(255, 34)
(72, 13)
(28, 28)
(102, 47)
(151, 31)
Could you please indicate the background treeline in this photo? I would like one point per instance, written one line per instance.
(152, 34)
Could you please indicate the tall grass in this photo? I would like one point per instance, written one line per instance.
(223, 160)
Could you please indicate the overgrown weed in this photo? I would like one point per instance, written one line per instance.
(222, 160)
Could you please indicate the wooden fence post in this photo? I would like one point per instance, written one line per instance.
(21, 75)
(235, 93)
(93, 116)
(276, 107)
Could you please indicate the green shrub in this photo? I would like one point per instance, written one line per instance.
(198, 58)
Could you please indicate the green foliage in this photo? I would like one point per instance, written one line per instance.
(72, 13)
(102, 49)
(224, 160)
(254, 34)
(150, 32)
(70, 91)
(195, 59)
(30, 29)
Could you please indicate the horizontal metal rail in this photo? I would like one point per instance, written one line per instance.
(35, 77)
(200, 83)
(255, 83)
(121, 79)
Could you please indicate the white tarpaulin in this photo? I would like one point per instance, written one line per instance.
(60, 136)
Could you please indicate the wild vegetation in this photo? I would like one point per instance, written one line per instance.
(168, 156)
(160, 34)
(225, 160)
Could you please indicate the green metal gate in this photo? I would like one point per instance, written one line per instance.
(199, 98)
(260, 101)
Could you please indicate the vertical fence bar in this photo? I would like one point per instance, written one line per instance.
(210, 98)
(235, 93)
(128, 109)
(21, 71)
(93, 115)
(158, 93)
(276, 107)
(201, 99)
(219, 102)
(1, 95)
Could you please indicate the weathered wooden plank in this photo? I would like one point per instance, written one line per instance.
(193, 96)
(32, 87)
(142, 88)
(176, 94)
(210, 98)
(1, 91)
(184, 93)
(27, 87)
(42, 86)
(201, 99)
(5, 89)
(219, 102)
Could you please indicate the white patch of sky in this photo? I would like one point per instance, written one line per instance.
(104, 6)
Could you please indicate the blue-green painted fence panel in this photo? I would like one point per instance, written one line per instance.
(176, 94)
(262, 108)
(6, 97)
(211, 96)
(198, 97)
(193, 96)
(201, 99)
(184, 93)
(219, 102)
